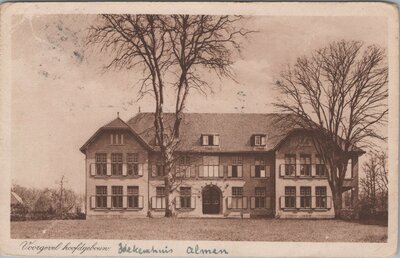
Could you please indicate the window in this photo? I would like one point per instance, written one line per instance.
(290, 197)
(210, 140)
(305, 165)
(237, 191)
(260, 168)
(320, 193)
(101, 196)
(260, 198)
(160, 171)
(133, 166)
(184, 161)
(116, 164)
(160, 191)
(101, 164)
(210, 167)
(305, 197)
(320, 166)
(185, 195)
(116, 139)
(237, 167)
(133, 196)
(116, 200)
(290, 164)
(259, 140)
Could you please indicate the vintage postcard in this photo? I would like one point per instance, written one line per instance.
(199, 129)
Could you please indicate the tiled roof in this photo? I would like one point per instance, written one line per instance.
(235, 130)
(116, 123)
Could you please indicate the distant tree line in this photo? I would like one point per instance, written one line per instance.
(47, 203)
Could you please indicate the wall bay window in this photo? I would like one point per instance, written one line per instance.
(305, 165)
(321, 197)
(116, 198)
(101, 164)
(116, 164)
(101, 197)
(133, 164)
(133, 197)
(290, 197)
(290, 164)
(305, 197)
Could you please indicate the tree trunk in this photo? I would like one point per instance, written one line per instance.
(168, 212)
(337, 203)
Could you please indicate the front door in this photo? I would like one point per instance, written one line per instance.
(211, 201)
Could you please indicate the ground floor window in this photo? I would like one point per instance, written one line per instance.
(260, 198)
(320, 193)
(116, 200)
(290, 197)
(305, 197)
(133, 196)
(185, 196)
(101, 196)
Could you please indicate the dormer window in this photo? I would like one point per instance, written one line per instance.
(210, 140)
(259, 140)
(116, 139)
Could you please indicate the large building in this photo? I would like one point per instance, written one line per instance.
(235, 165)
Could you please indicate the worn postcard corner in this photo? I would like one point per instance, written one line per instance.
(199, 129)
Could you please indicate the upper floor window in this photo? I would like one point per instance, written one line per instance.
(117, 139)
(116, 164)
(184, 160)
(260, 169)
(236, 170)
(259, 140)
(237, 191)
(305, 165)
(101, 164)
(133, 166)
(160, 191)
(290, 164)
(210, 140)
(320, 169)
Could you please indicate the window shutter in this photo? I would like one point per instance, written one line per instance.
(93, 169)
(229, 202)
(297, 201)
(253, 171)
(124, 169)
(187, 172)
(263, 140)
(221, 171)
(93, 202)
(124, 202)
(262, 172)
(108, 169)
(140, 169)
(140, 200)
(153, 202)
(244, 202)
(144, 169)
(201, 171)
(192, 202)
(192, 171)
(240, 171)
(313, 170)
(282, 170)
(313, 202)
(267, 171)
(328, 202)
(122, 138)
(268, 202)
(282, 200)
(109, 202)
(229, 171)
(204, 140)
(253, 203)
(253, 141)
(153, 170)
(177, 202)
(216, 140)
(111, 139)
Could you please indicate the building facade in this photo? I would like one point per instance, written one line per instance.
(231, 165)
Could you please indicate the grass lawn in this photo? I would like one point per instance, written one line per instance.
(202, 229)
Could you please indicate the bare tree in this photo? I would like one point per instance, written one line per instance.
(339, 94)
(171, 51)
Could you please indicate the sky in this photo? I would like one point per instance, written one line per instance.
(61, 95)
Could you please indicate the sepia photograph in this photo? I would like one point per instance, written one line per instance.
(150, 122)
